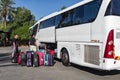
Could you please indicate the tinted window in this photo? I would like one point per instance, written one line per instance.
(58, 20)
(87, 13)
(91, 10)
(83, 14)
(35, 29)
(68, 19)
(41, 25)
(113, 8)
(48, 23)
(78, 15)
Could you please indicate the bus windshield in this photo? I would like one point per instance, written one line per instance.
(113, 8)
(33, 30)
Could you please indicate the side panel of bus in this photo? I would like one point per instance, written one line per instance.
(74, 33)
(78, 42)
(85, 54)
(47, 35)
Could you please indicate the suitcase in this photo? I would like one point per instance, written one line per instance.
(35, 60)
(23, 59)
(52, 52)
(40, 58)
(50, 60)
(29, 58)
(19, 59)
(46, 59)
(15, 58)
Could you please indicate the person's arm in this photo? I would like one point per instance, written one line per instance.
(29, 44)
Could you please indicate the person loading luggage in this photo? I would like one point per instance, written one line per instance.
(32, 43)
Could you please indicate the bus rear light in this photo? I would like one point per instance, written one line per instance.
(109, 48)
(110, 42)
(110, 52)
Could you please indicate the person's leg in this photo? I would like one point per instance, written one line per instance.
(13, 52)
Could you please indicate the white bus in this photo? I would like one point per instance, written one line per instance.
(87, 34)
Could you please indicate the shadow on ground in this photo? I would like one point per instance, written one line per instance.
(4, 54)
(96, 71)
(5, 60)
(5, 57)
(8, 65)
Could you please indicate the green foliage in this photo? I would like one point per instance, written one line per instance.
(22, 32)
(6, 10)
(17, 23)
(64, 7)
(22, 21)
(23, 16)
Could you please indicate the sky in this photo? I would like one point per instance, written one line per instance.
(40, 8)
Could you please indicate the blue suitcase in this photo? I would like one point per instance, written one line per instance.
(46, 59)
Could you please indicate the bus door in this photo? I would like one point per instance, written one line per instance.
(47, 34)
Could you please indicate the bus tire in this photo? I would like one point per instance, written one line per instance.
(65, 57)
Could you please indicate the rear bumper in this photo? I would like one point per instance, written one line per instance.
(111, 64)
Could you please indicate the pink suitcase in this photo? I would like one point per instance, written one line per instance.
(40, 58)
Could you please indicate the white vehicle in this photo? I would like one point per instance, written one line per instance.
(87, 34)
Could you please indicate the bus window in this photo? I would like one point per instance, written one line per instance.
(35, 28)
(91, 10)
(78, 15)
(58, 20)
(47, 23)
(67, 19)
(86, 13)
(113, 8)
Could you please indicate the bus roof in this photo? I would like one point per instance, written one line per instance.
(75, 5)
(67, 9)
(61, 11)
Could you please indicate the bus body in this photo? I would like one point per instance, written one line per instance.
(87, 34)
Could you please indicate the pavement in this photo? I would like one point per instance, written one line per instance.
(12, 71)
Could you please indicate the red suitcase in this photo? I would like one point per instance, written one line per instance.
(52, 52)
(19, 60)
(40, 58)
(19, 57)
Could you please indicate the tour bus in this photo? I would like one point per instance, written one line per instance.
(86, 34)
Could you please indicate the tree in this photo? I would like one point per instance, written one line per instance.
(64, 7)
(6, 10)
(23, 17)
(20, 25)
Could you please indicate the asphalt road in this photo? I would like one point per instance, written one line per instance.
(10, 71)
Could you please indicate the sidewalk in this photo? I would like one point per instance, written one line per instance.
(5, 50)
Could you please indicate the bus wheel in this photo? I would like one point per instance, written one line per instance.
(65, 57)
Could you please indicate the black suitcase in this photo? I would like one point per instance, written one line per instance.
(35, 60)
(15, 57)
